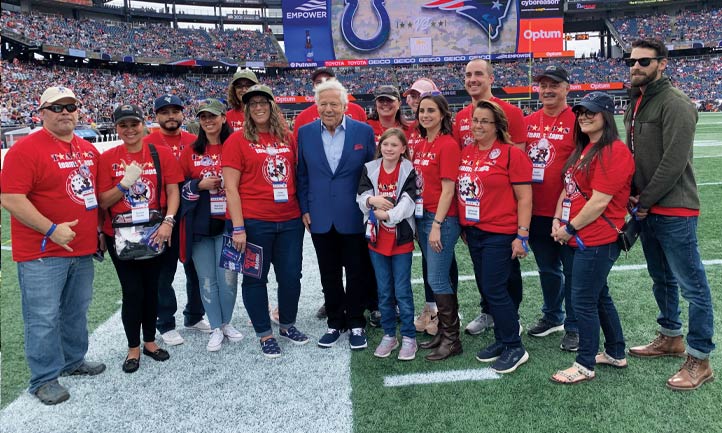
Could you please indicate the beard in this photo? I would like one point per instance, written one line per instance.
(643, 79)
(170, 125)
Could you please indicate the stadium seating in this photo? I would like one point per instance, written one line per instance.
(685, 25)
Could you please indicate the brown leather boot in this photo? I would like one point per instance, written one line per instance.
(692, 375)
(450, 344)
(660, 346)
(434, 342)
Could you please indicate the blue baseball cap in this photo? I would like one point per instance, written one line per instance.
(596, 102)
(167, 100)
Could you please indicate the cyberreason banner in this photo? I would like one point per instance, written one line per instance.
(409, 31)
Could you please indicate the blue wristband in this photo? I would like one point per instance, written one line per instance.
(122, 189)
(524, 240)
(580, 244)
(44, 243)
(239, 229)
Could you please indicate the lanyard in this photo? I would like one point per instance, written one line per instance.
(634, 117)
(541, 124)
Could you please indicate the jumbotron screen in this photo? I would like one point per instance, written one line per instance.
(392, 32)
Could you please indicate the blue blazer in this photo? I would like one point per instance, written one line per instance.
(330, 198)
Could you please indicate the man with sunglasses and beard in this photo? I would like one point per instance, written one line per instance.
(49, 187)
(169, 115)
(661, 122)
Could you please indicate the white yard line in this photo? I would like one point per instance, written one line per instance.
(441, 377)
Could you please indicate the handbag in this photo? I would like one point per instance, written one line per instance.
(133, 241)
(628, 234)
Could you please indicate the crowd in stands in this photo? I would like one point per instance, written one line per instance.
(100, 90)
(142, 40)
(703, 25)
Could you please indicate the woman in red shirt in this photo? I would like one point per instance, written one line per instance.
(597, 183)
(436, 161)
(387, 112)
(494, 193)
(259, 169)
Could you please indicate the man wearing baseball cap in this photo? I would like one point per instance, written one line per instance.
(49, 181)
(242, 80)
(169, 115)
(549, 143)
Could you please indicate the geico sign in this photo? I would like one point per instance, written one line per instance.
(397, 61)
(380, 62)
(542, 34)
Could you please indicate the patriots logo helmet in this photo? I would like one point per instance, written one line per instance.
(488, 14)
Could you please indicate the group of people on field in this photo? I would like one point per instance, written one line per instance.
(558, 183)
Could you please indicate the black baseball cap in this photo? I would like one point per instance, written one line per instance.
(127, 111)
(596, 102)
(556, 73)
(387, 91)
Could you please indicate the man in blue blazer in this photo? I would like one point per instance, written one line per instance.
(331, 154)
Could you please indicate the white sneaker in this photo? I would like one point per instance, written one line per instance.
(202, 325)
(232, 333)
(216, 340)
(482, 322)
(172, 338)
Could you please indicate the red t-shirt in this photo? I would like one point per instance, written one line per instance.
(386, 239)
(197, 166)
(268, 175)
(379, 129)
(462, 122)
(613, 177)
(486, 179)
(235, 119)
(176, 143)
(549, 142)
(112, 169)
(433, 162)
(310, 114)
(53, 174)
(414, 138)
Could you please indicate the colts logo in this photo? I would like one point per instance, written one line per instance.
(377, 40)
(489, 15)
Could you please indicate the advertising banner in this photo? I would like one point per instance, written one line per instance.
(384, 32)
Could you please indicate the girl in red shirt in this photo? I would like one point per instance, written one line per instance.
(597, 183)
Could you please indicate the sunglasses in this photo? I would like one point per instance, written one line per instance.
(643, 61)
(586, 114)
(432, 93)
(58, 108)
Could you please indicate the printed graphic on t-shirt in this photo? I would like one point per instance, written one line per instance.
(275, 168)
(79, 180)
(143, 190)
(570, 185)
(469, 188)
(211, 167)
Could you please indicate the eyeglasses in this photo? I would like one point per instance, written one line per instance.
(484, 122)
(242, 86)
(58, 108)
(254, 104)
(586, 114)
(643, 61)
(431, 93)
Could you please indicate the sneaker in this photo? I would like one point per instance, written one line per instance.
(294, 335)
(202, 326)
(216, 340)
(233, 334)
(321, 313)
(274, 315)
(510, 360)
(375, 319)
(482, 322)
(408, 349)
(388, 344)
(51, 393)
(490, 353)
(357, 339)
(570, 341)
(329, 338)
(423, 319)
(86, 368)
(544, 328)
(172, 338)
(270, 348)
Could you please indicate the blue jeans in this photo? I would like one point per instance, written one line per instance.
(491, 255)
(593, 304)
(439, 264)
(218, 286)
(673, 262)
(282, 244)
(555, 283)
(393, 279)
(56, 293)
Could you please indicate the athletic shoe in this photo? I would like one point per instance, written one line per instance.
(388, 344)
(490, 353)
(482, 322)
(294, 335)
(357, 339)
(202, 326)
(329, 338)
(172, 338)
(510, 360)
(86, 368)
(216, 340)
(570, 341)
(51, 393)
(233, 334)
(544, 328)
(408, 349)
(270, 348)
(375, 319)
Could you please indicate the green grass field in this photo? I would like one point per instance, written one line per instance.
(631, 400)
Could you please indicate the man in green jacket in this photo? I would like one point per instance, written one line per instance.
(660, 122)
